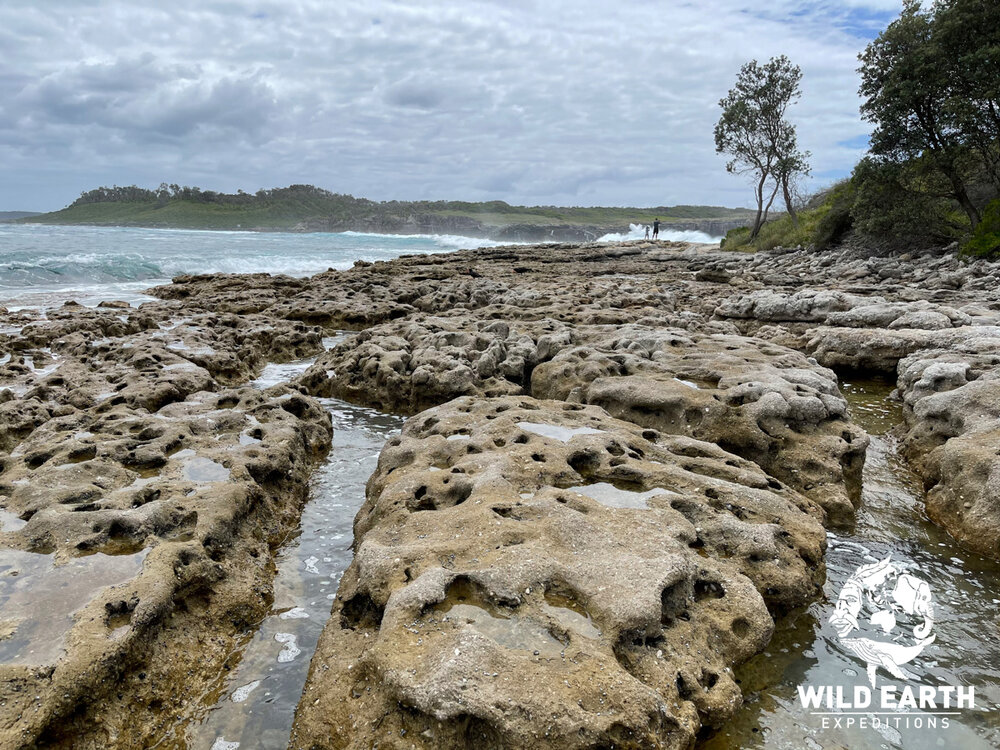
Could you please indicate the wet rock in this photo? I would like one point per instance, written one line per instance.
(952, 410)
(879, 349)
(809, 306)
(136, 524)
(410, 365)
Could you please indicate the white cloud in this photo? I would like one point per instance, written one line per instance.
(531, 102)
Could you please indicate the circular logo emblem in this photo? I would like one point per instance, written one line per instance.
(885, 616)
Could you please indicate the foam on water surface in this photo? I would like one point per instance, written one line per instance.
(309, 570)
(44, 266)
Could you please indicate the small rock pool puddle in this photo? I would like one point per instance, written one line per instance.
(39, 598)
(805, 649)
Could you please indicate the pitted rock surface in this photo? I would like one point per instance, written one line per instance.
(951, 401)
(491, 597)
(687, 345)
(133, 457)
(758, 400)
(408, 366)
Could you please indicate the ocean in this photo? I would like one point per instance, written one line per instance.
(45, 265)
(42, 266)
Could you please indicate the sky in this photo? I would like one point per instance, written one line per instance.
(536, 102)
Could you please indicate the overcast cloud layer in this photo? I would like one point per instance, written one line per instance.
(547, 102)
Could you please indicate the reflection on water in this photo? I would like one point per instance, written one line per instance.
(39, 598)
(253, 703)
(562, 434)
(805, 649)
(510, 629)
(274, 374)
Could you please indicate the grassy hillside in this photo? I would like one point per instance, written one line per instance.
(303, 207)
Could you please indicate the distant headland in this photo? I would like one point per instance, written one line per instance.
(305, 208)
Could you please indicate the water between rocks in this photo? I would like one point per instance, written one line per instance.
(805, 649)
(253, 703)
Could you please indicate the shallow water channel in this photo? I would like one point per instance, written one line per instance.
(806, 649)
(252, 704)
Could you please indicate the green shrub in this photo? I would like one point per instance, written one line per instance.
(735, 238)
(985, 241)
(897, 203)
(834, 219)
(784, 232)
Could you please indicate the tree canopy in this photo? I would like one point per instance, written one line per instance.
(754, 132)
(931, 88)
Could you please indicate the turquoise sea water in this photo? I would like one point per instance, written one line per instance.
(41, 265)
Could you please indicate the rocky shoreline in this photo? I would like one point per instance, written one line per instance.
(620, 467)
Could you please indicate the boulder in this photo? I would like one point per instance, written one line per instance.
(539, 573)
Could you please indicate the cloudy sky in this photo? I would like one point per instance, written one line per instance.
(583, 102)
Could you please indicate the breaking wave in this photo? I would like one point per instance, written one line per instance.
(35, 256)
(638, 232)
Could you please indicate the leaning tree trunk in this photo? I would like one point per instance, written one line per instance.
(770, 202)
(788, 200)
(962, 196)
(759, 219)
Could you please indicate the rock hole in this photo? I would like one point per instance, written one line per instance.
(673, 599)
(360, 611)
(683, 690)
(704, 589)
(740, 627)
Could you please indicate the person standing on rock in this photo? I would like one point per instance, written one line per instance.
(656, 228)
(647, 231)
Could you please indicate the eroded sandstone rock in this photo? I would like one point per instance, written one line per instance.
(494, 602)
(758, 400)
(952, 409)
(140, 495)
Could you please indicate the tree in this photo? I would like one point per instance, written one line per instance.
(915, 97)
(968, 32)
(754, 132)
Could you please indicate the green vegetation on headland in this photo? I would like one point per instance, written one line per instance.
(307, 208)
(932, 174)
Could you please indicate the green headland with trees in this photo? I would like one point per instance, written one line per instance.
(309, 208)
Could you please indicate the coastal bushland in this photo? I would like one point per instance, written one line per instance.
(931, 176)
(306, 207)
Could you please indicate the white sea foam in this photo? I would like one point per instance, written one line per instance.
(638, 232)
(44, 266)
(444, 241)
